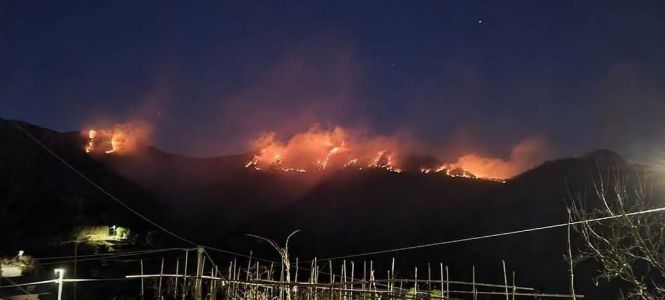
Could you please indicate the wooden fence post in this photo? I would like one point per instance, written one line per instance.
(142, 288)
(505, 278)
(159, 286)
(184, 276)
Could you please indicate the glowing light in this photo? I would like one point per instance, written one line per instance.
(92, 134)
(324, 164)
(453, 170)
(383, 160)
(351, 163)
(317, 150)
(120, 139)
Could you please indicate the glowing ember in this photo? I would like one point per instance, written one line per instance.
(450, 170)
(252, 163)
(383, 161)
(323, 164)
(453, 170)
(351, 163)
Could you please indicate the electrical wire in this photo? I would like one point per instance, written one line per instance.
(239, 254)
(107, 257)
(104, 191)
(112, 197)
(106, 254)
(494, 235)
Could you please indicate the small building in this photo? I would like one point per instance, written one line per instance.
(16, 266)
(11, 270)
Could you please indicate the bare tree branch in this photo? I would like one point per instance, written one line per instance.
(630, 248)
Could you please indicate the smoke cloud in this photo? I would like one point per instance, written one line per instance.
(631, 106)
(523, 156)
(271, 112)
(310, 84)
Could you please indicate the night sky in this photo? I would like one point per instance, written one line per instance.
(209, 75)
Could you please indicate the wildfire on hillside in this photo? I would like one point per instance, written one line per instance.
(318, 150)
(321, 150)
(119, 139)
(448, 169)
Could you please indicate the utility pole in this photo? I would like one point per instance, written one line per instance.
(199, 272)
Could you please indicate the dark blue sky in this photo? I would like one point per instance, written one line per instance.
(208, 75)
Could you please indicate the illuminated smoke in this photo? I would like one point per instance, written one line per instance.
(525, 155)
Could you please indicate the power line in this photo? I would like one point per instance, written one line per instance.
(238, 254)
(108, 254)
(28, 283)
(123, 204)
(20, 285)
(494, 235)
(108, 194)
(330, 258)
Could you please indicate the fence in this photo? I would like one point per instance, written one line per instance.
(319, 281)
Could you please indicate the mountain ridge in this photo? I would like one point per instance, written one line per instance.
(217, 201)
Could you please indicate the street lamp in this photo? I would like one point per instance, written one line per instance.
(61, 274)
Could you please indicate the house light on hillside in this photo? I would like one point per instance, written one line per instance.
(103, 234)
(16, 266)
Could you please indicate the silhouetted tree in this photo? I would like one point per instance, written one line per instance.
(627, 244)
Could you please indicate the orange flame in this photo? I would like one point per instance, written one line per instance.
(383, 160)
(351, 163)
(323, 164)
(120, 139)
(92, 134)
(324, 150)
(523, 156)
(318, 149)
(450, 170)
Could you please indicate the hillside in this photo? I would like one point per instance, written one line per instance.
(216, 201)
(44, 201)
